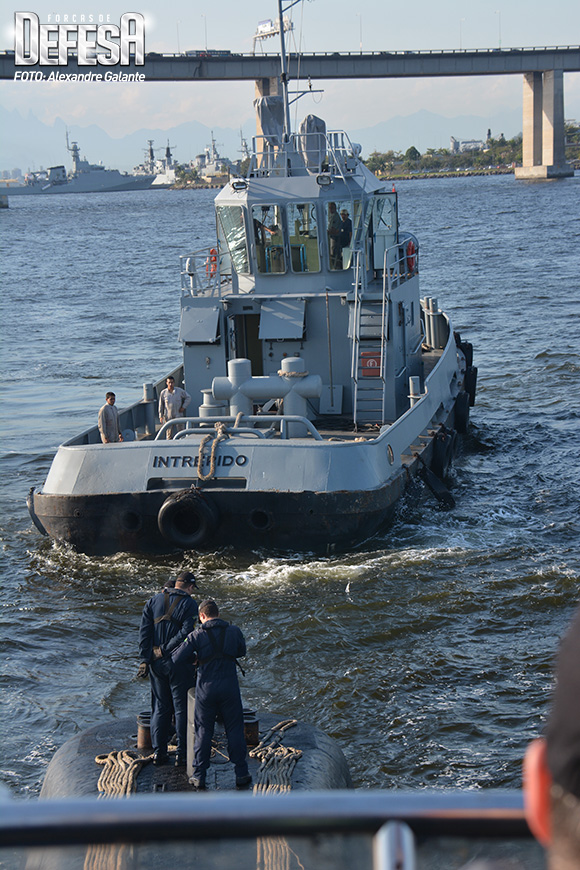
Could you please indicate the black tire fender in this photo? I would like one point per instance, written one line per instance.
(187, 519)
(470, 383)
(462, 412)
(442, 453)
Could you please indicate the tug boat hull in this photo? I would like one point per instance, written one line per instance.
(201, 518)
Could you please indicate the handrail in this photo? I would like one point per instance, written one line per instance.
(201, 272)
(219, 815)
(205, 430)
(253, 418)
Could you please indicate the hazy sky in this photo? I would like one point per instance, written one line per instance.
(319, 25)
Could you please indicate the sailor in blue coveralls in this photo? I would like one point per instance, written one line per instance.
(215, 647)
(167, 620)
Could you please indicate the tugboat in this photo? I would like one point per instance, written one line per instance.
(328, 383)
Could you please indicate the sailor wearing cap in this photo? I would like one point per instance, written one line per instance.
(167, 619)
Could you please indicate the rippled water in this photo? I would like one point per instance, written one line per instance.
(427, 652)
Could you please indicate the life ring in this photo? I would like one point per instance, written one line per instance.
(211, 262)
(411, 255)
(187, 519)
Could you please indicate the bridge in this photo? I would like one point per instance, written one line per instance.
(542, 70)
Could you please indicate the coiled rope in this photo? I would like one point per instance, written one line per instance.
(109, 856)
(120, 770)
(275, 777)
(118, 779)
(221, 435)
(276, 762)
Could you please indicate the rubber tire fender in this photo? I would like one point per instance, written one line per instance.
(461, 415)
(470, 383)
(442, 454)
(187, 519)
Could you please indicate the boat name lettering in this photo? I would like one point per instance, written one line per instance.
(82, 37)
(193, 461)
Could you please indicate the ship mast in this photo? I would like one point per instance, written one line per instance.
(284, 64)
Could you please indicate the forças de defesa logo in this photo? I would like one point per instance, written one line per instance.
(92, 43)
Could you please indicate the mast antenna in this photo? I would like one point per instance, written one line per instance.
(284, 64)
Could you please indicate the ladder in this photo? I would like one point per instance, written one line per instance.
(369, 348)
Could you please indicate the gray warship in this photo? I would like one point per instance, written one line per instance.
(84, 177)
(324, 382)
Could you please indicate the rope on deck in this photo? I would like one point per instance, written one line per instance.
(277, 762)
(120, 770)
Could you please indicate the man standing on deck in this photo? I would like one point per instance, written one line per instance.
(552, 764)
(109, 421)
(345, 231)
(168, 618)
(333, 230)
(215, 647)
(172, 404)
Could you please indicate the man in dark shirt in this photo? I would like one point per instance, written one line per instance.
(167, 619)
(215, 647)
(345, 229)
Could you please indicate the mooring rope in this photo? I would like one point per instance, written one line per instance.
(118, 779)
(221, 435)
(120, 770)
(275, 777)
(276, 762)
(109, 856)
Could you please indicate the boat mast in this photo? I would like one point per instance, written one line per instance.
(284, 74)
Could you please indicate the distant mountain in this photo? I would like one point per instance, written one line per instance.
(426, 130)
(27, 143)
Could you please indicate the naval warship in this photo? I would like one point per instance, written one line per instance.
(85, 177)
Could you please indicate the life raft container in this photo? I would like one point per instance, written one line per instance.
(187, 519)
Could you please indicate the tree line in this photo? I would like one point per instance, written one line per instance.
(499, 153)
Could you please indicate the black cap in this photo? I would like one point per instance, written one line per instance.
(563, 729)
(187, 577)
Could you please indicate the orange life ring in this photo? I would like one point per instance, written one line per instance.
(411, 255)
(211, 262)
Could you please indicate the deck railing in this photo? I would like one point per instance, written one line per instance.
(331, 153)
(201, 272)
(398, 823)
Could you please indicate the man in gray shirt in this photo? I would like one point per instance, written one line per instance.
(109, 421)
(172, 404)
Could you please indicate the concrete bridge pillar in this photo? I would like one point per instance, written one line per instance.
(543, 127)
(267, 87)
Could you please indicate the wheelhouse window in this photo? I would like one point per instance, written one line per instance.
(343, 219)
(267, 227)
(303, 235)
(384, 226)
(233, 231)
